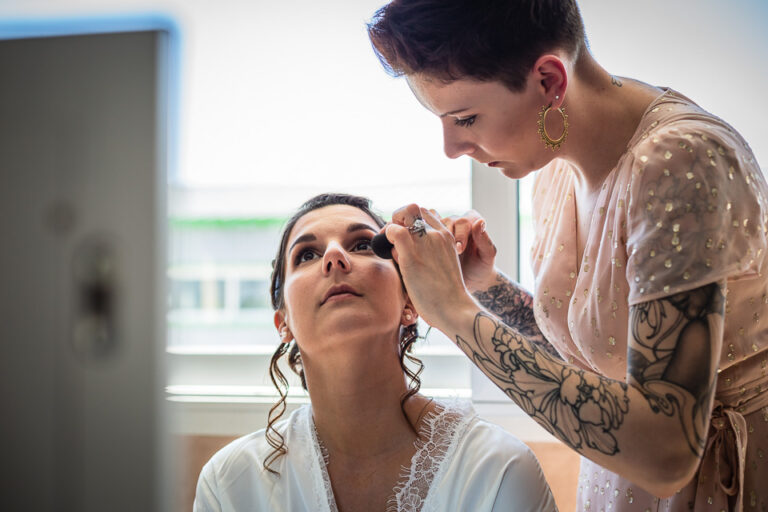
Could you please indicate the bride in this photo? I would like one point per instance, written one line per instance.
(368, 441)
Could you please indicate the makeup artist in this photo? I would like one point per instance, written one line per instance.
(645, 343)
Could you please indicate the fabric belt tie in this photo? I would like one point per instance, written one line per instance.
(725, 453)
(726, 449)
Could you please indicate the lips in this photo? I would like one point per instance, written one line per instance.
(339, 289)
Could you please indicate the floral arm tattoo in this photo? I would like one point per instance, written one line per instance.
(671, 364)
(578, 407)
(514, 305)
(672, 356)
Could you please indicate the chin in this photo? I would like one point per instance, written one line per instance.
(515, 173)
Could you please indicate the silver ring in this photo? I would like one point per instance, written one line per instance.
(419, 227)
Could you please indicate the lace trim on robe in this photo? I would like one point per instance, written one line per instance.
(306, 437)
(440, 436)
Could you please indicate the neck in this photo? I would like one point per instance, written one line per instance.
(603, 116)
(356, 404)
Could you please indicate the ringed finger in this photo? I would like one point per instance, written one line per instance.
(407, 214)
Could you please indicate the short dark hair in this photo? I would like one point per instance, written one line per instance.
(483, 40)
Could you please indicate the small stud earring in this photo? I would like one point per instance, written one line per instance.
(408, 317)
(557, 97)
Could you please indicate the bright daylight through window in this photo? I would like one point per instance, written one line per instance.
(262, 131)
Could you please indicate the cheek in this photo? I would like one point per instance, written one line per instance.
(296, 297)
(391, 285)
(507, 135)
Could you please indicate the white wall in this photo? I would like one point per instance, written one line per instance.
(712, 51)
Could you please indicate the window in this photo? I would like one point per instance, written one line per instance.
(185, 294)
(262, 131)
(252, 294)
(282, 100)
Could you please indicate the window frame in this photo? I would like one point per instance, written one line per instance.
(235, 409)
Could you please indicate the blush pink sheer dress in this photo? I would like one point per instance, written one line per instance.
(685, 206)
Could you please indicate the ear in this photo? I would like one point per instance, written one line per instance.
(282, 327)
(550, 76)
(409, 315)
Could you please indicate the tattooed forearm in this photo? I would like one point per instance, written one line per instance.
(514, 305)
(580, 408)
(672, 352)
(671, 356)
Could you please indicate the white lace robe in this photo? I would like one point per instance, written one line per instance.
(463, 463)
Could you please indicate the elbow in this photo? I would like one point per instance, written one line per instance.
(670, 475)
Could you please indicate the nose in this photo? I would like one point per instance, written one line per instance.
(455, 143)
(335, 258)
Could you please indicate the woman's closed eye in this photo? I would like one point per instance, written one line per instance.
(465, 121)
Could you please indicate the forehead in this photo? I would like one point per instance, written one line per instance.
(330, 219)
(439, 97)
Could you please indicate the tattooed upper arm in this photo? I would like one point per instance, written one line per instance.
(673, 351)
(514, 305)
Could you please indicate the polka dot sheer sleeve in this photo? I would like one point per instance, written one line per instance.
(697, 212)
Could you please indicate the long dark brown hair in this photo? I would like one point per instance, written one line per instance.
(408, 335)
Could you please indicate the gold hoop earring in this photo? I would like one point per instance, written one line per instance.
(551, 143)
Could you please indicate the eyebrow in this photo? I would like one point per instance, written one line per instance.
(360, 226)
(309, 237)
(453, 112)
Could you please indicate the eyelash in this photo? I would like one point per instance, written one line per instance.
(466, 122)
(367, 241)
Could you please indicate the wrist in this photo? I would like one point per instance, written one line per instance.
(492, 278)
(460, 318)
